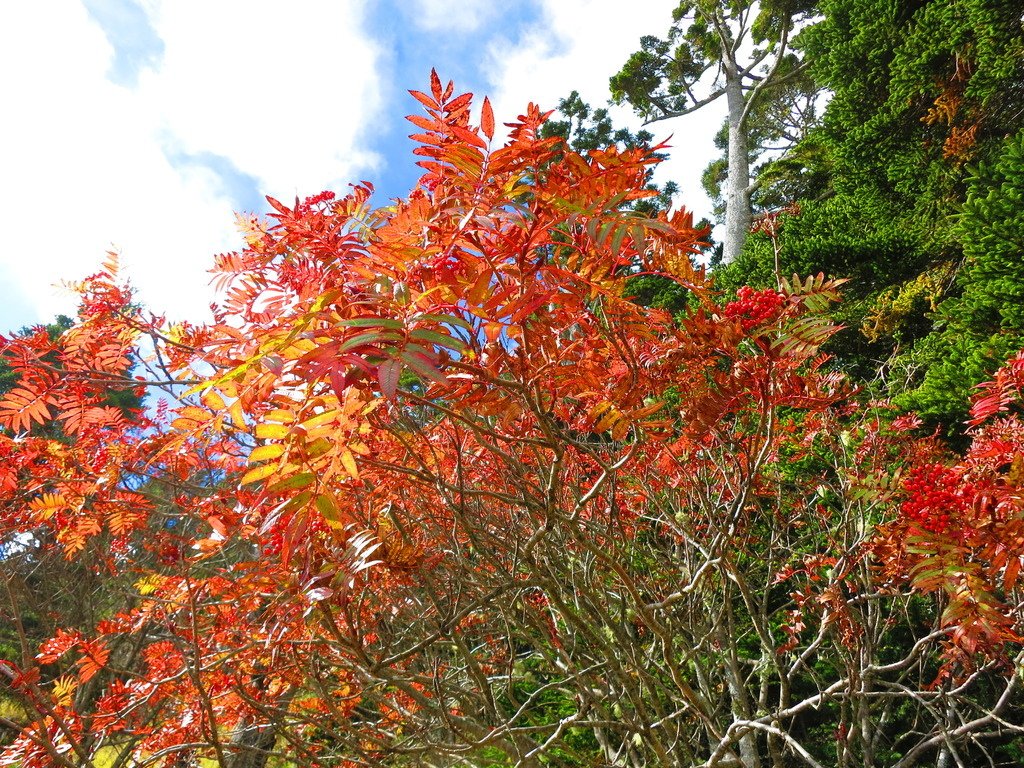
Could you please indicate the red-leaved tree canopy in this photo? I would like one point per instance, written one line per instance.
(433, 489)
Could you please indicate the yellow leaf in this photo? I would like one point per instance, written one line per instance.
(266, 452)
(271, 431)
(358, 446)
(258, 473)
(320, 419)
(348, 461)
(213, 400)
(1015, 478)
(64, 689)
(147, 585)
(605, 416)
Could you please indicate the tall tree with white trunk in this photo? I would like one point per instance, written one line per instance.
(736, 49)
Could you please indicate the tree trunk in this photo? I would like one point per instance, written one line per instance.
(946, 758)
(251, 746)
(737, 193)
(254, 739)
(738, 693)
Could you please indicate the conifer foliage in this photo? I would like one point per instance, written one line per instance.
(434, 490)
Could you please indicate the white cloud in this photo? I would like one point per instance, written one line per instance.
(578, 45)
(283, 92)
(80, 168)
(84, 162)
(441, 15)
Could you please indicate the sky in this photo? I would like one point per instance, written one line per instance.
(140, 126)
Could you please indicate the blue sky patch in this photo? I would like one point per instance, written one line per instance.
(409, 51)
(242, 188)
(136, 44)
(16, 310)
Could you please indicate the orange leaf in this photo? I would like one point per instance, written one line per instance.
(607, 417)
(20, 407)
(47, 505)
(425, 100)
(237, 415)
(213, 400)
(1012, 572)
(94, 659)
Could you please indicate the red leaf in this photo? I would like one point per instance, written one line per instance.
(278, 206)
(435, 85)
(425, 100)
(459, 103)
(58, 645)
(487, 119)
(424, 122)
(387, 376)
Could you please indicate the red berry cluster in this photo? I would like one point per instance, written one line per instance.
(100, 297)
(938, 496)
(755, 307)
(313, 200)
(272, 542)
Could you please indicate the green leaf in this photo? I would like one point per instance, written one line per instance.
(373, 322)
(461, 322)
(301, 480)
(372, 337)
(438, 338)
(326, 506)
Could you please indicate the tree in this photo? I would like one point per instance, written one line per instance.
(704, 58)
(583, 130)
(451, 496)
(983, 326)
(923, 94)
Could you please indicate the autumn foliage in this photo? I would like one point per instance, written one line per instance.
(434, 488)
